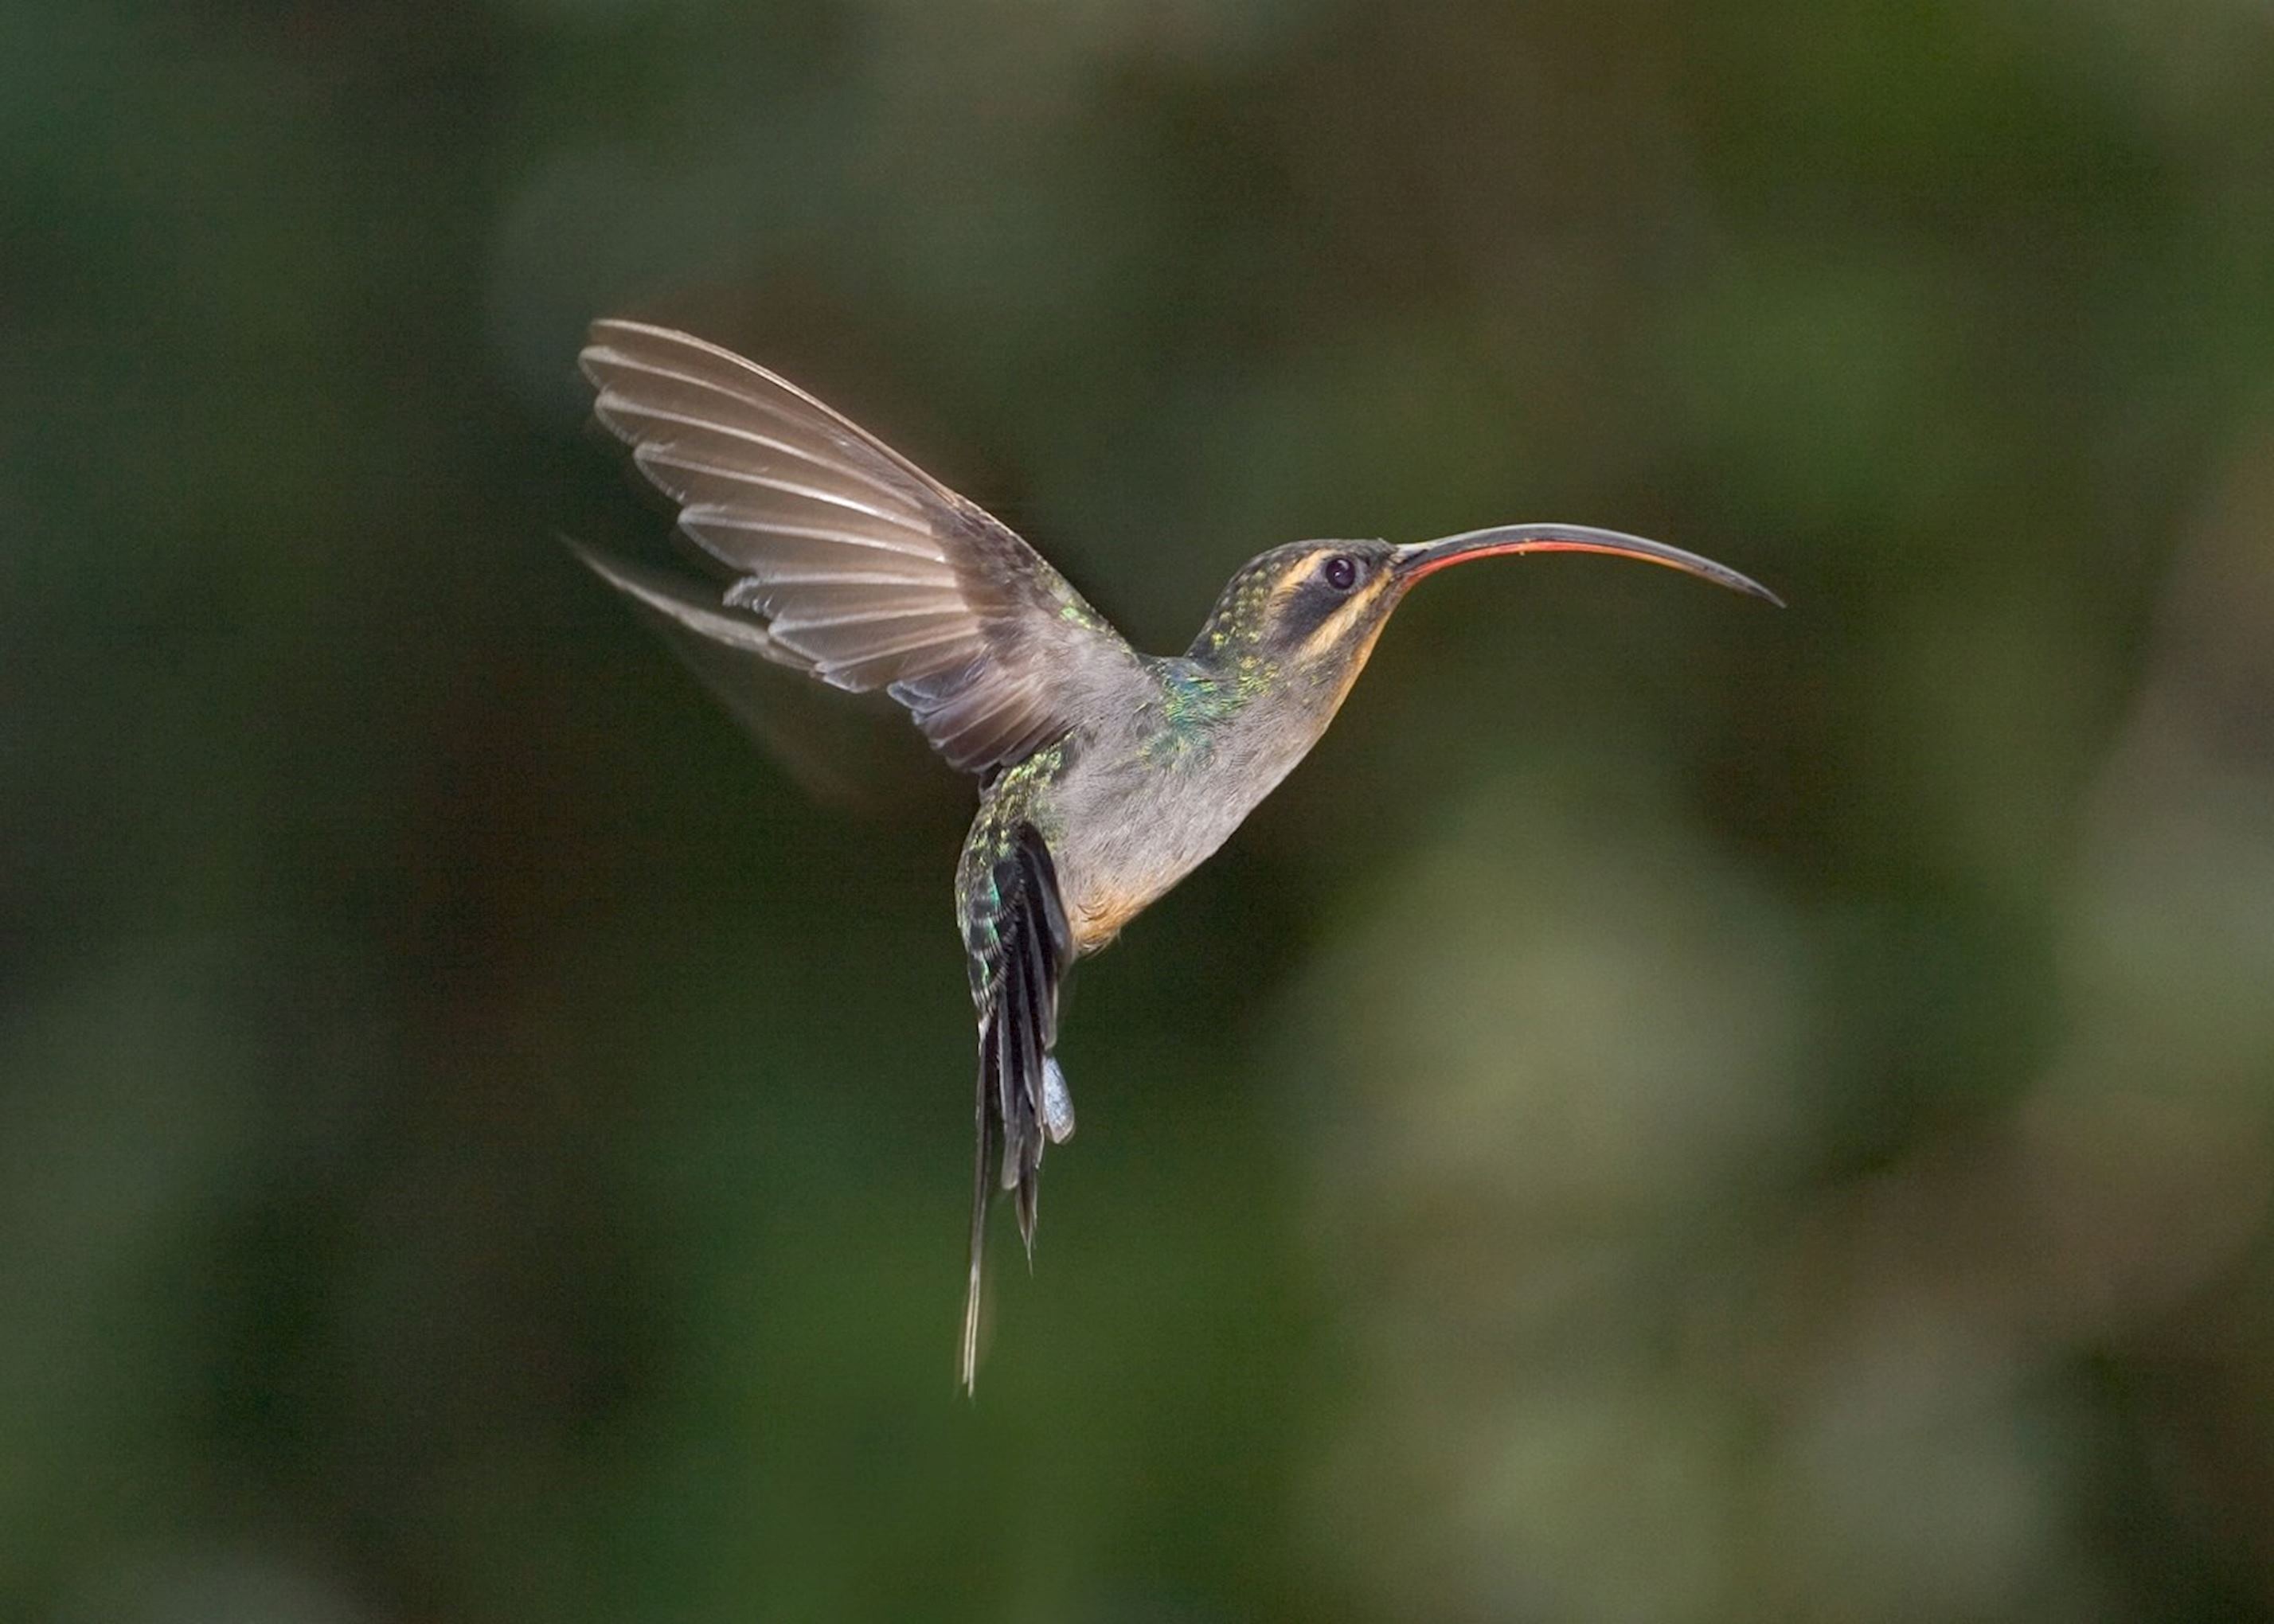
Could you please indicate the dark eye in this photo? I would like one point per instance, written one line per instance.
(1341, 572)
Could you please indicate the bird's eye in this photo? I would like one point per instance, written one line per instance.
(1342, 572)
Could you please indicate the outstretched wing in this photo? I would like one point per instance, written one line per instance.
(1021, 947)
(848, 561)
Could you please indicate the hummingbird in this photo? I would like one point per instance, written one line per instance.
(1105, 774)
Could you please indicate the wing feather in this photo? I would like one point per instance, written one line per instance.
(770, 421)
(848, 561)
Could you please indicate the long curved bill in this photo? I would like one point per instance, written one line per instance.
(1424, 558)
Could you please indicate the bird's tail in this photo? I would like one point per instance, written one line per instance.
(1021, 1164)
(1022, 1102)
(967, 1363)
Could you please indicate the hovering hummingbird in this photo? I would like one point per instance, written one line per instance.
(1106, 775)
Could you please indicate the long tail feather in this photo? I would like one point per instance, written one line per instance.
(968, 1364)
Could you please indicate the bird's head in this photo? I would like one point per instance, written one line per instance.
(1302, 610)
(1303, 618)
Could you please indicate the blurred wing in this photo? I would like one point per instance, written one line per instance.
(869, 763)
(851, 563)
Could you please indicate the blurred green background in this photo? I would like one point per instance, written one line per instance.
(1677, 1112)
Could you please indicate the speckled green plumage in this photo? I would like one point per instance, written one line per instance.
(1018, 795)
(1196, 702)
(1240, 615)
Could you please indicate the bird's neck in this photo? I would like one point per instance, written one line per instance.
(1241, 710)
(1199, 691)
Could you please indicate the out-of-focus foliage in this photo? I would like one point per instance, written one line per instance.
(1678, 1112)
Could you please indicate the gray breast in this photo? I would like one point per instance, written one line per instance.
(1133, 822)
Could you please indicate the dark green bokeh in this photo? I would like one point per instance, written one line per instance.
(1678, 1112)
